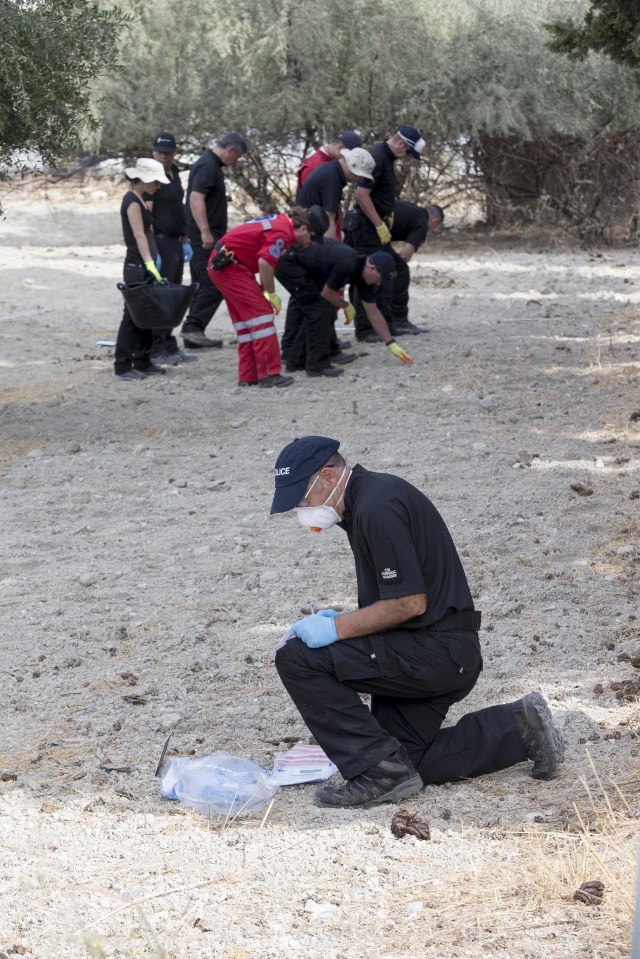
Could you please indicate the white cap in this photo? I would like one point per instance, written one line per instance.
(359, 161)
(147, 170)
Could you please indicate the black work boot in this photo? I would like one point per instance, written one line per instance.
(543, 741)
(392, 779)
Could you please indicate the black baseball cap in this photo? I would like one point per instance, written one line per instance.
(319, 219)
(350, 139)
(296, 463)
(386, 266)
(414, 141)
(164, 143)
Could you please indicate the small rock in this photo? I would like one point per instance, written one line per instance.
(591, 893)
(408, 822)
(626, 550)
(581, 489)
(320, 911)
(526, 459)
(413, 908)
(269, 576)
(170, 720)
(181, 484)
(87, 579)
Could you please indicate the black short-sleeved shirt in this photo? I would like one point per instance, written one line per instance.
(402, 546)
(130, 241)
(206, 177)
(168, 206)
(324, 187)
(335, 264)
(383, 189)
(410, 223)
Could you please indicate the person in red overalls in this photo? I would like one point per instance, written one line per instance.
(247, 250)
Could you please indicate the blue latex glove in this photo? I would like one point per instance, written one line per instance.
(158, 262)
(332, 613)
(316, 630)
(187, 251)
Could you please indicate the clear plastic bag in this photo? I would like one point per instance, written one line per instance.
(218, 783)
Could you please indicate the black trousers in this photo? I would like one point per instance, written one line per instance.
(207, 299)
(363, 238)
(306, 343)
(170, 249)
(309, 336)
(400, 295)
(132, 344)
(413, 679)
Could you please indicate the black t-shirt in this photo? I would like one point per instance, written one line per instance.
(410, 223)
(323, 187)
(206, 177)
(335, 264)
(130, 241)
(383, 189)
(168, 206)
(402, 546)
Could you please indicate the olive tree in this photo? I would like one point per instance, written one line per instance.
(533, 134)
(50, 52)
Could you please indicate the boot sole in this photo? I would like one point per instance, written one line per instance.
(538, 715)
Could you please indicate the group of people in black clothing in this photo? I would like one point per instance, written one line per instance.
(162, 232)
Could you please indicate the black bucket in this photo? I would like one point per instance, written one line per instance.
(157, 306)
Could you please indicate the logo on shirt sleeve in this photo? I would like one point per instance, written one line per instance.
(388, 574)
(276, 248)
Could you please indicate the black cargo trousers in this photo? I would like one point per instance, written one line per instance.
(208, 298)
(413, 677)
(309, 332)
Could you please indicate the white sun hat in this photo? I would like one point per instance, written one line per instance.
(147, 170)
(359, 161)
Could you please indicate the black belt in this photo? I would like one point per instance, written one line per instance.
(169, 236)
(464, 619)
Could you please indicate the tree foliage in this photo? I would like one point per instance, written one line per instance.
(503, 115)
(50, 51)
(611, 27)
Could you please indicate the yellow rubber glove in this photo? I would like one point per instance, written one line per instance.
(389, 221)
(349, 313)
(274, 300)
(383, 234)
(151, 268)
(399, 352)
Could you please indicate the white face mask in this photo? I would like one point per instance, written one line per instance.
(317, 518)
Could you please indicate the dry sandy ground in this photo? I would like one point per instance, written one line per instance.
(138, 557)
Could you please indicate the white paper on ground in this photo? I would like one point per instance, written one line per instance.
(105, 343)
(302, 764)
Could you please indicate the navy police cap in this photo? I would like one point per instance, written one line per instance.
(296, 463)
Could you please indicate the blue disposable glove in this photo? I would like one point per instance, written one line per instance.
(187, 252)
(332, 613)
(316, 630)
(158, 262)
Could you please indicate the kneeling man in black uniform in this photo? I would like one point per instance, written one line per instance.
(412, 644)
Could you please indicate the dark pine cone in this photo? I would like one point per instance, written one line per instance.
(591, 893)
(408, 823)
